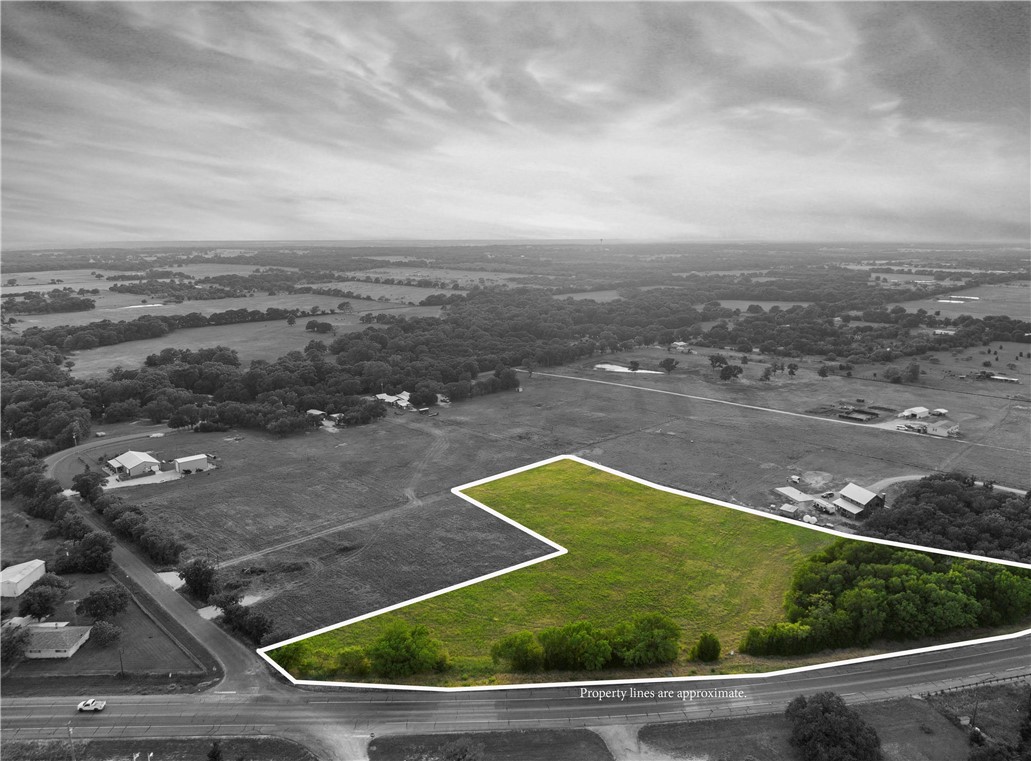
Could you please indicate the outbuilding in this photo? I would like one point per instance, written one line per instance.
(194, 463)
(915, 412)
(133, 464)
(794, 496)
(57, 640)
(15, 579)
(791, 511)
(943, 427)
(849, 509)
(859, 497)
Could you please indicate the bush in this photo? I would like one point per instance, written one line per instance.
(403, 650)
(646, 640)
(576, 646)
(105, 634)
(707, 649)
(522, 651)
(354, 661)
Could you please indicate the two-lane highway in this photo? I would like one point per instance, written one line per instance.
(341, 722)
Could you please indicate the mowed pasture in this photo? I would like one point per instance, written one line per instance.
(631, 549)
(252, 340)
(1010, 299)
(416, 537)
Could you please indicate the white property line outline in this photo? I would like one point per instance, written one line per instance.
(559, 550)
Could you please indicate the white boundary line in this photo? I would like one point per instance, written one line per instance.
(559, 550)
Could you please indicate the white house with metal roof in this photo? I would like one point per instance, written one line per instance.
(134, 464)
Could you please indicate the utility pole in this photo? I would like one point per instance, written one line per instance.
(71, 742)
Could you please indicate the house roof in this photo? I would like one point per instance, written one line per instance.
(848, 507)
(916, 411)
(857, 494)
(192, 458)
(18, 572)
(316, 412)
(786, 508)
(131, 459)
(793, 494)
(61, 638)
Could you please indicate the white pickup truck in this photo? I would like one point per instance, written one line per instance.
(92, 705)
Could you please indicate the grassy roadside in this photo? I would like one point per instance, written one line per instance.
(166, 749)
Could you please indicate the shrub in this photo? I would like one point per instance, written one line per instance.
(105, 634)
(707, 649)
(354, 661)
(646, 640)
(575, 646)
(403, 650)
(521, 650)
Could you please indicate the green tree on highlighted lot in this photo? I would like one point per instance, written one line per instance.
(403, 650)
(522, 651)
(646, 640)
(707, 649)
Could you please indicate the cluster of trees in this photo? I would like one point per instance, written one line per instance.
(645, 640)
(824, 728)
(951, 511)
(84, 550)
(40, 302)
(855, 592)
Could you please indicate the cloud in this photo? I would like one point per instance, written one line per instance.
(363, 120)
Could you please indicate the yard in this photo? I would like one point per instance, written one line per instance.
(1010, 299)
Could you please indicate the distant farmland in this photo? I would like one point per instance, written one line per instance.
(632, 549)
(1012, 300)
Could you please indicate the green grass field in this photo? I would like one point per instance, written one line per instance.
(631, 549)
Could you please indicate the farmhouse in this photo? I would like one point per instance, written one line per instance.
(855, 500)
(395, 400)
(16, 579)
(56, 640)
(194, 463)
(133, 464)
(794, 496)
(915, 412)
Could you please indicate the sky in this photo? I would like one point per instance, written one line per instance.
(854, 121)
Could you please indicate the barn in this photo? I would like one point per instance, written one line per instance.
(16, 579)
(794, 496)
(915, 412)
(194, 463)
(134, 464)
(855, 501)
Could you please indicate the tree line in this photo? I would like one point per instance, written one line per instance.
(853, 593)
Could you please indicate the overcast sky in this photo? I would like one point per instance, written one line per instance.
(233, 121)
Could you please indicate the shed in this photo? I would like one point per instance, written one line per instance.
(15, 579)
(940, 412)
(794, 496)
(61, 641)
(789, 510)
(133, 464)
(193, 463)
(316, 413)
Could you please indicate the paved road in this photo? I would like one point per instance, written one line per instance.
(338, 724)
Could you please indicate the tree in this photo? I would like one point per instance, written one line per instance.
(291, 320)
(912, 374)
(823, 372)
(646, 640)
(40, 602)
(403, 650)
(530, 364)
(718, 360)
(707, 648)
(767, 374)
(200, 577)
(729, 372)
(668, 364)
(103, 604)
(89, 485)
(105, 634)
(824, 728)
(13, 642)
